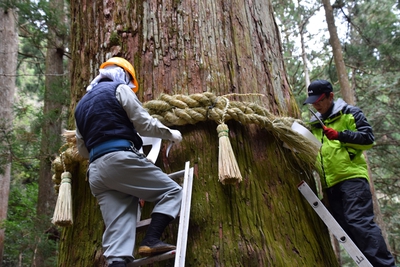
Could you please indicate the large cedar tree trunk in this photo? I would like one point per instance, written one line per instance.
(8, 68)
(188, 47)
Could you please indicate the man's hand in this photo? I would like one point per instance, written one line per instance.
(176, 136)
(331, 133)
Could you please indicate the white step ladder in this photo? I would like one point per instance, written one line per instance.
(180, 253)
(333, 226)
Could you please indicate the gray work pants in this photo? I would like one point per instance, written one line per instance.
(118, 180)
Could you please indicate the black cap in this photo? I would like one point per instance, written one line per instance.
(316, 89)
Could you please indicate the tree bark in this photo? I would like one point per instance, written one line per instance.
(345, 89)
(189, 47)
(8, 69)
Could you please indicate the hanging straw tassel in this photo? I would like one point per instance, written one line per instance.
(228, 169)
(63, 211)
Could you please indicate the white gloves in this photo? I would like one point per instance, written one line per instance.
(176, 136)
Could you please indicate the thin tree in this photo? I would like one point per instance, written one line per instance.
(345, 89)
(54, 98)
(8, 67)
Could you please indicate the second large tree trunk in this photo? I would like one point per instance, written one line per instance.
(8, 70)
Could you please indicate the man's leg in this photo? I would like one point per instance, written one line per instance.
(134, 174)
(151, 244)
(359, 216)
(119, 213)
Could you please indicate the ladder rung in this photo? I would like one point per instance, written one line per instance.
(142, 224)
(176, 175)
(152, 259)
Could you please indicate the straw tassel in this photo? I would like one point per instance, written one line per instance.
(228, 169)
(63, 210)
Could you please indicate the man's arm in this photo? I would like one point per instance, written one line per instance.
(363, 137)
(144, 123)
(81, 145)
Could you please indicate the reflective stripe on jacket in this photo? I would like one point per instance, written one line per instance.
(343, 159)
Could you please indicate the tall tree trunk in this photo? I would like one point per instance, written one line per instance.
(348, 96)
(8, 69)
(189, 48)
(54, 97)
(345, 89)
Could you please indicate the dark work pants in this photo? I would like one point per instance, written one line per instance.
(351, 204)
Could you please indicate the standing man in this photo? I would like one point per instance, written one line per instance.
(108, 119)
(344, 137)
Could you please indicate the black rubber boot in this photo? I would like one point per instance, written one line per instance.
(151, 244)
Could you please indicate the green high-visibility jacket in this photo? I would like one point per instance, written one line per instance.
(343, 159)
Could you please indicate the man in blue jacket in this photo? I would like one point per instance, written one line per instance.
(345, 134)
(108, 119)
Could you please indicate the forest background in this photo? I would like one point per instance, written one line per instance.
(369, 33)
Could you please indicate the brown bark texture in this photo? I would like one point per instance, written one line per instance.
(8, 68)
(345, 88)
(192, 47)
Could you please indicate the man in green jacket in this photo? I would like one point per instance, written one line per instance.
(345, 134)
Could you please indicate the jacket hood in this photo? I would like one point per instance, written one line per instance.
(338, 105)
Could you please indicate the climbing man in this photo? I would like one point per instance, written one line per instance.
(345, 134)
(108, 120)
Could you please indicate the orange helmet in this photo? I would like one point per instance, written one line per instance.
(123, 63)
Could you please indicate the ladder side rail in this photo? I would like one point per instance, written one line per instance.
(182, 213)
(184, 221)
(333, 225)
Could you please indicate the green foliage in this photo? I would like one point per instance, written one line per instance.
(36, 18)
(38, 24)
(31, 65)
(114, 39)
(373, 53)
(19, 237)
(22, 234)
(370, 36)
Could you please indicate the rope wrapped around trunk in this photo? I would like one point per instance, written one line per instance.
(179, 110)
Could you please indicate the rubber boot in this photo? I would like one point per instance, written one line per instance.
(151, 244)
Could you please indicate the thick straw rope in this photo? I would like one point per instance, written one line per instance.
(191, 109)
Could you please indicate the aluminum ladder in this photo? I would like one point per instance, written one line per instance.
(333, 226)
